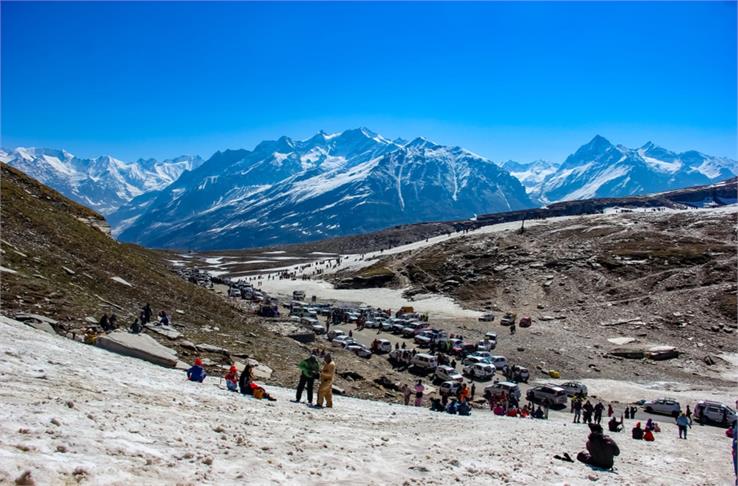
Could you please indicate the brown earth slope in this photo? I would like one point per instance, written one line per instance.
(57, 262)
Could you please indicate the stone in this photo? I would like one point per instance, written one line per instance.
(621, 341)
(121, 281)
(166, 331)
(69, 271)
(211, 348)
(139, 346)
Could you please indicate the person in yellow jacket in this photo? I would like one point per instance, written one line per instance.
(325, 389)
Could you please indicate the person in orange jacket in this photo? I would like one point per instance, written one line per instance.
(464, 392)
(325, 389)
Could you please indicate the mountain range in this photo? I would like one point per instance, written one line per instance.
(102, 183)
(350, 182)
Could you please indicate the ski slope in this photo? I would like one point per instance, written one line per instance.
(78, 413)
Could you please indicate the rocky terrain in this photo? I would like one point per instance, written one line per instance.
(639, 279)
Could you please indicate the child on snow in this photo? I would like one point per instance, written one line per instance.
(197, 372)
(231, 379)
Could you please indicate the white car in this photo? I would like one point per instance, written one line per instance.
(335, 333)
(487, 317)
(372, 324)
(664, 406)
(471, 360)
(318, 328)
(707, 411)
(360, 350)
(447, 373)
(480, 371)
(482, 354)
(510, 389)
(386, 325)
(574, 388)
(486, 345)
(500, 362)
(424, 361)
(383, 346)
(555, 394)
(450, 387)
(342, 340)
(491, 336)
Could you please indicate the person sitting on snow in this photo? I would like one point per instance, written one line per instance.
(601, 449)
(197, 372)
(614, 426)
(231, 379)
(637, 432)
(464, 408)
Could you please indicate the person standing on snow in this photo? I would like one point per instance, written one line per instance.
(309, 370)
(598, 409)
(325, 389)
(682, 422)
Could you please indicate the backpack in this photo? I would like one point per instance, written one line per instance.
(259, 393)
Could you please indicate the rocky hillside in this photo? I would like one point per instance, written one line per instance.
(287, 191)
(650, 277)
(57, 261)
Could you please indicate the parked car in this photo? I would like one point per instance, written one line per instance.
(409, 329)
(487, 317)
(664, 406)
(360, 350)
(334, 333)
(450, 387)
(398, 326)
(486, 345)
(482, 354)
(387, 325)
(371, 324)
(298, 295)
(424, 361)
(342, 340)
(479, 371)
(234, 292)
(491, 336)
(500, 362)
(508, 319)
(383, 346)
(510, 389)
(574, 388)
(447, 373)
(555, 394)
(519, 374)
(424, 339)
(709, 412)
(470, 360)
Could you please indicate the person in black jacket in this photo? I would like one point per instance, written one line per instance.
(601, 449)
(244, 381)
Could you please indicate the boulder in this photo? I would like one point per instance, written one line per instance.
(659, 353)
(211, 348)
(621, 341)
(166, 331)
(138, 346)
(42, 323)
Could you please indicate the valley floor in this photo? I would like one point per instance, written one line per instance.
(78, 413)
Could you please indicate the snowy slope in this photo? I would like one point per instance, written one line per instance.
(73, 412)
(103, 183)
(601, 169)
(329, 185)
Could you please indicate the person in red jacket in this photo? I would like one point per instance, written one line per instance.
(231, 379)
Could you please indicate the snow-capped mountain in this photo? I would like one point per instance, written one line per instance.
(329, 185)
(531, 174)
(103, 183)
(601, 169)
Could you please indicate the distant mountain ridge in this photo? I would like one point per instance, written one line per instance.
(328, 185)
(337, 184)
(600, 169)
(102, 183)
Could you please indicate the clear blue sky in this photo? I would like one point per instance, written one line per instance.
(506, 80)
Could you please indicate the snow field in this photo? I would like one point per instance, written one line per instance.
(75, 412)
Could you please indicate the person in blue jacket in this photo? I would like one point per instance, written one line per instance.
(197, 372)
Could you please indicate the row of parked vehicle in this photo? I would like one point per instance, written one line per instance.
(705, 412)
